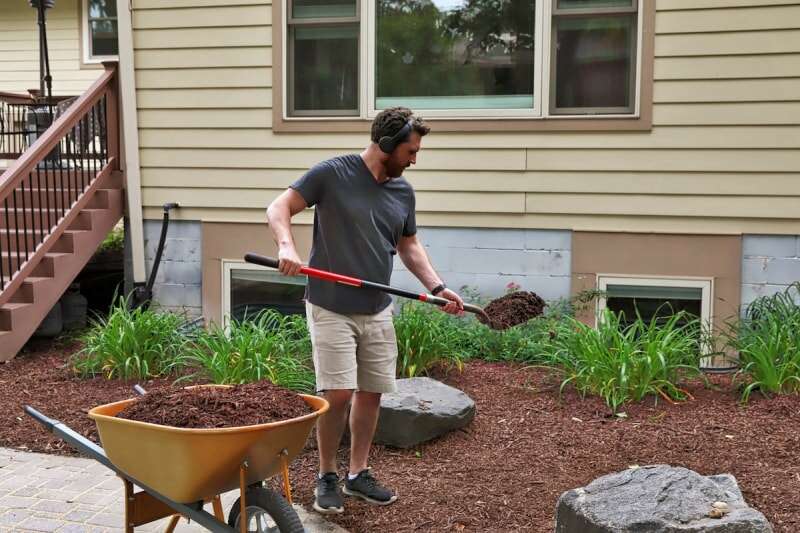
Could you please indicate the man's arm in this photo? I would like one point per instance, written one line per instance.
(416, 260)
(279, 215)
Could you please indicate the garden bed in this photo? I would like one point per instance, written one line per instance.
(505, 471)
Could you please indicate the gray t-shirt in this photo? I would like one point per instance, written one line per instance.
(358, 223)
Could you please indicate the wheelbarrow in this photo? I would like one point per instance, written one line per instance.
(181, 469)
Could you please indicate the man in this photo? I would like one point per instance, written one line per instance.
(364, 214)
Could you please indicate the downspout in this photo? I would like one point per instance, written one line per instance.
(130, 135)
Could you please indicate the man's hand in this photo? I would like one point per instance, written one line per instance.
(456, 305)
(289, 262)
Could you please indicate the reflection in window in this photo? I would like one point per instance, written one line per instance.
(102, 23)
(252, 291)
(325, 68)
(455, 54)
(594, 56)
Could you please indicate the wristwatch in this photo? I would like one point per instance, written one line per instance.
(439, 288)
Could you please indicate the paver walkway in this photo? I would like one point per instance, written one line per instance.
(40, 492)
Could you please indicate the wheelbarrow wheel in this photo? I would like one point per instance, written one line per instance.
(267, 511)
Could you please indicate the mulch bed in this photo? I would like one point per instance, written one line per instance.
(512, 309)
(216, 407)
(505, 471)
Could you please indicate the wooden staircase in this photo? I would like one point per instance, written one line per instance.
(55, 210)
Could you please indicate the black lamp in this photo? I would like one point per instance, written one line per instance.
(44, 59)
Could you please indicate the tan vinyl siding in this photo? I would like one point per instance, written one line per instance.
(19, 48)
(722, 157)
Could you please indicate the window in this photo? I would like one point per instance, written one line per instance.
(648, 296)
(462, 58)
(248, 289)
(99, 30)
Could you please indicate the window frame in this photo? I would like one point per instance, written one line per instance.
(86, 42)
(228, 266)
(706, 284)
(459, 120)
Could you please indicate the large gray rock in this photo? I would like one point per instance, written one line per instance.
(420, 410)
(657, 499)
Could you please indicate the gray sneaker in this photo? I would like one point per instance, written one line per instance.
(366, 487)
(328, 498)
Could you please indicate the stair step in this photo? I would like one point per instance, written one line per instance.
(10, 314)
(27, 241)
(45, 268)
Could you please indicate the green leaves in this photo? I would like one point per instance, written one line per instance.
(130, 344)
(272, 346)
(623, 364)
(426, 337)
(768, 342)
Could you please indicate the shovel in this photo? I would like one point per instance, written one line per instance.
(363, 284)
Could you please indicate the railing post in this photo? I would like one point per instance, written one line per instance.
(112, 114)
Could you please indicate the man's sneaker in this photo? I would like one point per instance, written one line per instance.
(328, 498)
(366, 487)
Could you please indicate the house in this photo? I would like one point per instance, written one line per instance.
(648, 148)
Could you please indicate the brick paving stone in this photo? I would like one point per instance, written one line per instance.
(16, 502)
(53, 506)
(14, 516)
(40, 524)
(28, 491)
(78, 515)
(106, 519)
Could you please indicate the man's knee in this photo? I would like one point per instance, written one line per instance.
(338, 398)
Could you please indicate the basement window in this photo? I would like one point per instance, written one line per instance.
(249, 289)
(657, 298)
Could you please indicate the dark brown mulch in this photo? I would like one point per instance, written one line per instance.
(504, 471)
(513, 309)
(217, 407)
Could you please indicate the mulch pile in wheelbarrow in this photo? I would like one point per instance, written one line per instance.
(207, 407)
(513, 309)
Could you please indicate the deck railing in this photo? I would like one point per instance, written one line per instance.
(39, 189)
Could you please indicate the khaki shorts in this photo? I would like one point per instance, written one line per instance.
(353, 351)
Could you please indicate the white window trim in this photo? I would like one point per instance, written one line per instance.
(228, 266)
(541, 89)
(706, 284)
(89, 59)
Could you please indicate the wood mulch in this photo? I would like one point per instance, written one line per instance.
(505, 471)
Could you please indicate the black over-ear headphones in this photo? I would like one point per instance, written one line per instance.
(388, 144)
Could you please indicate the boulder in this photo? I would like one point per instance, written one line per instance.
(658, 499)
(420, 410)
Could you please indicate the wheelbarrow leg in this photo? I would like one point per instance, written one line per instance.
(287, 487)
(218, 512)
(173, 523)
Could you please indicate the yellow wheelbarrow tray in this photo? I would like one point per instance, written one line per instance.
(185, 467)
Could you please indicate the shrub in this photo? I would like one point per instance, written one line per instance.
(426, 337)
(768, 342)
(623, 364)
(130, 344)
(270, 346)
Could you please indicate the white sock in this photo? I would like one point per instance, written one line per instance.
(351, 477)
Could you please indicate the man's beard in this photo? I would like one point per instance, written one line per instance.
(394, 170)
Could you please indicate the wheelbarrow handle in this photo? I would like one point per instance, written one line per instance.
(362, 284)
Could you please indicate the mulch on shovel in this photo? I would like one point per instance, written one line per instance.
(217, 407)
(513, 309)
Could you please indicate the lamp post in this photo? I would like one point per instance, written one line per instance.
(41, 116)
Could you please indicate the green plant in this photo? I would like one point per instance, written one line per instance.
(114, 241)
(768, 342)
(130, 344)
(623, 364)
(426, 337)
(270, 346)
